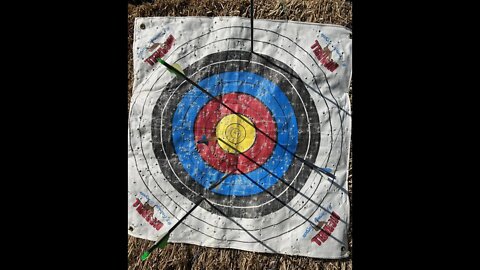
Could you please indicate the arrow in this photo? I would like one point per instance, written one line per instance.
(162, 243)
(175, 68)
(279, 178)
(214, 185)
(311, 165)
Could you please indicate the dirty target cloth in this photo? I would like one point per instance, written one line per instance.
(249, 151)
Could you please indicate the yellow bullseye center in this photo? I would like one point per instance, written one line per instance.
(237, 131)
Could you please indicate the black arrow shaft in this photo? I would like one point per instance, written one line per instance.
(274, 175)
(309, 164)
(154, 246)
(251, 25)
(186, 215)
(315, 226)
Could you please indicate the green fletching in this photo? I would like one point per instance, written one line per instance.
(162, 244)
(176, 69)
(145, 255)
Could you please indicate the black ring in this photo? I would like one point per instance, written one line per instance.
(224, 63)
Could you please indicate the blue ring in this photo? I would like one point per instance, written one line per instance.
(229, 82)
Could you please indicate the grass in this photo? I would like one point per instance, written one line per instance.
(184, 256)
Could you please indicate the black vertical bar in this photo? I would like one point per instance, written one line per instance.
(251, 25)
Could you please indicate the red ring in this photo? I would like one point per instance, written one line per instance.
(208, 118)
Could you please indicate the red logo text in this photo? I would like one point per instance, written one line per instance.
(324, 55)
(327, 229)
(146, 211)
(160, 52)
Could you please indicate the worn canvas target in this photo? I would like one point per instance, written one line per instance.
(271, 124)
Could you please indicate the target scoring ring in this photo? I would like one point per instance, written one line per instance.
(238, 131)
(257, 147)
(159, 149)
(232, 72)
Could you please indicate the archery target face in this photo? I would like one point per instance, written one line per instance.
(280, 110)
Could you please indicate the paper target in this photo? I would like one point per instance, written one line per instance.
(276, 115)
